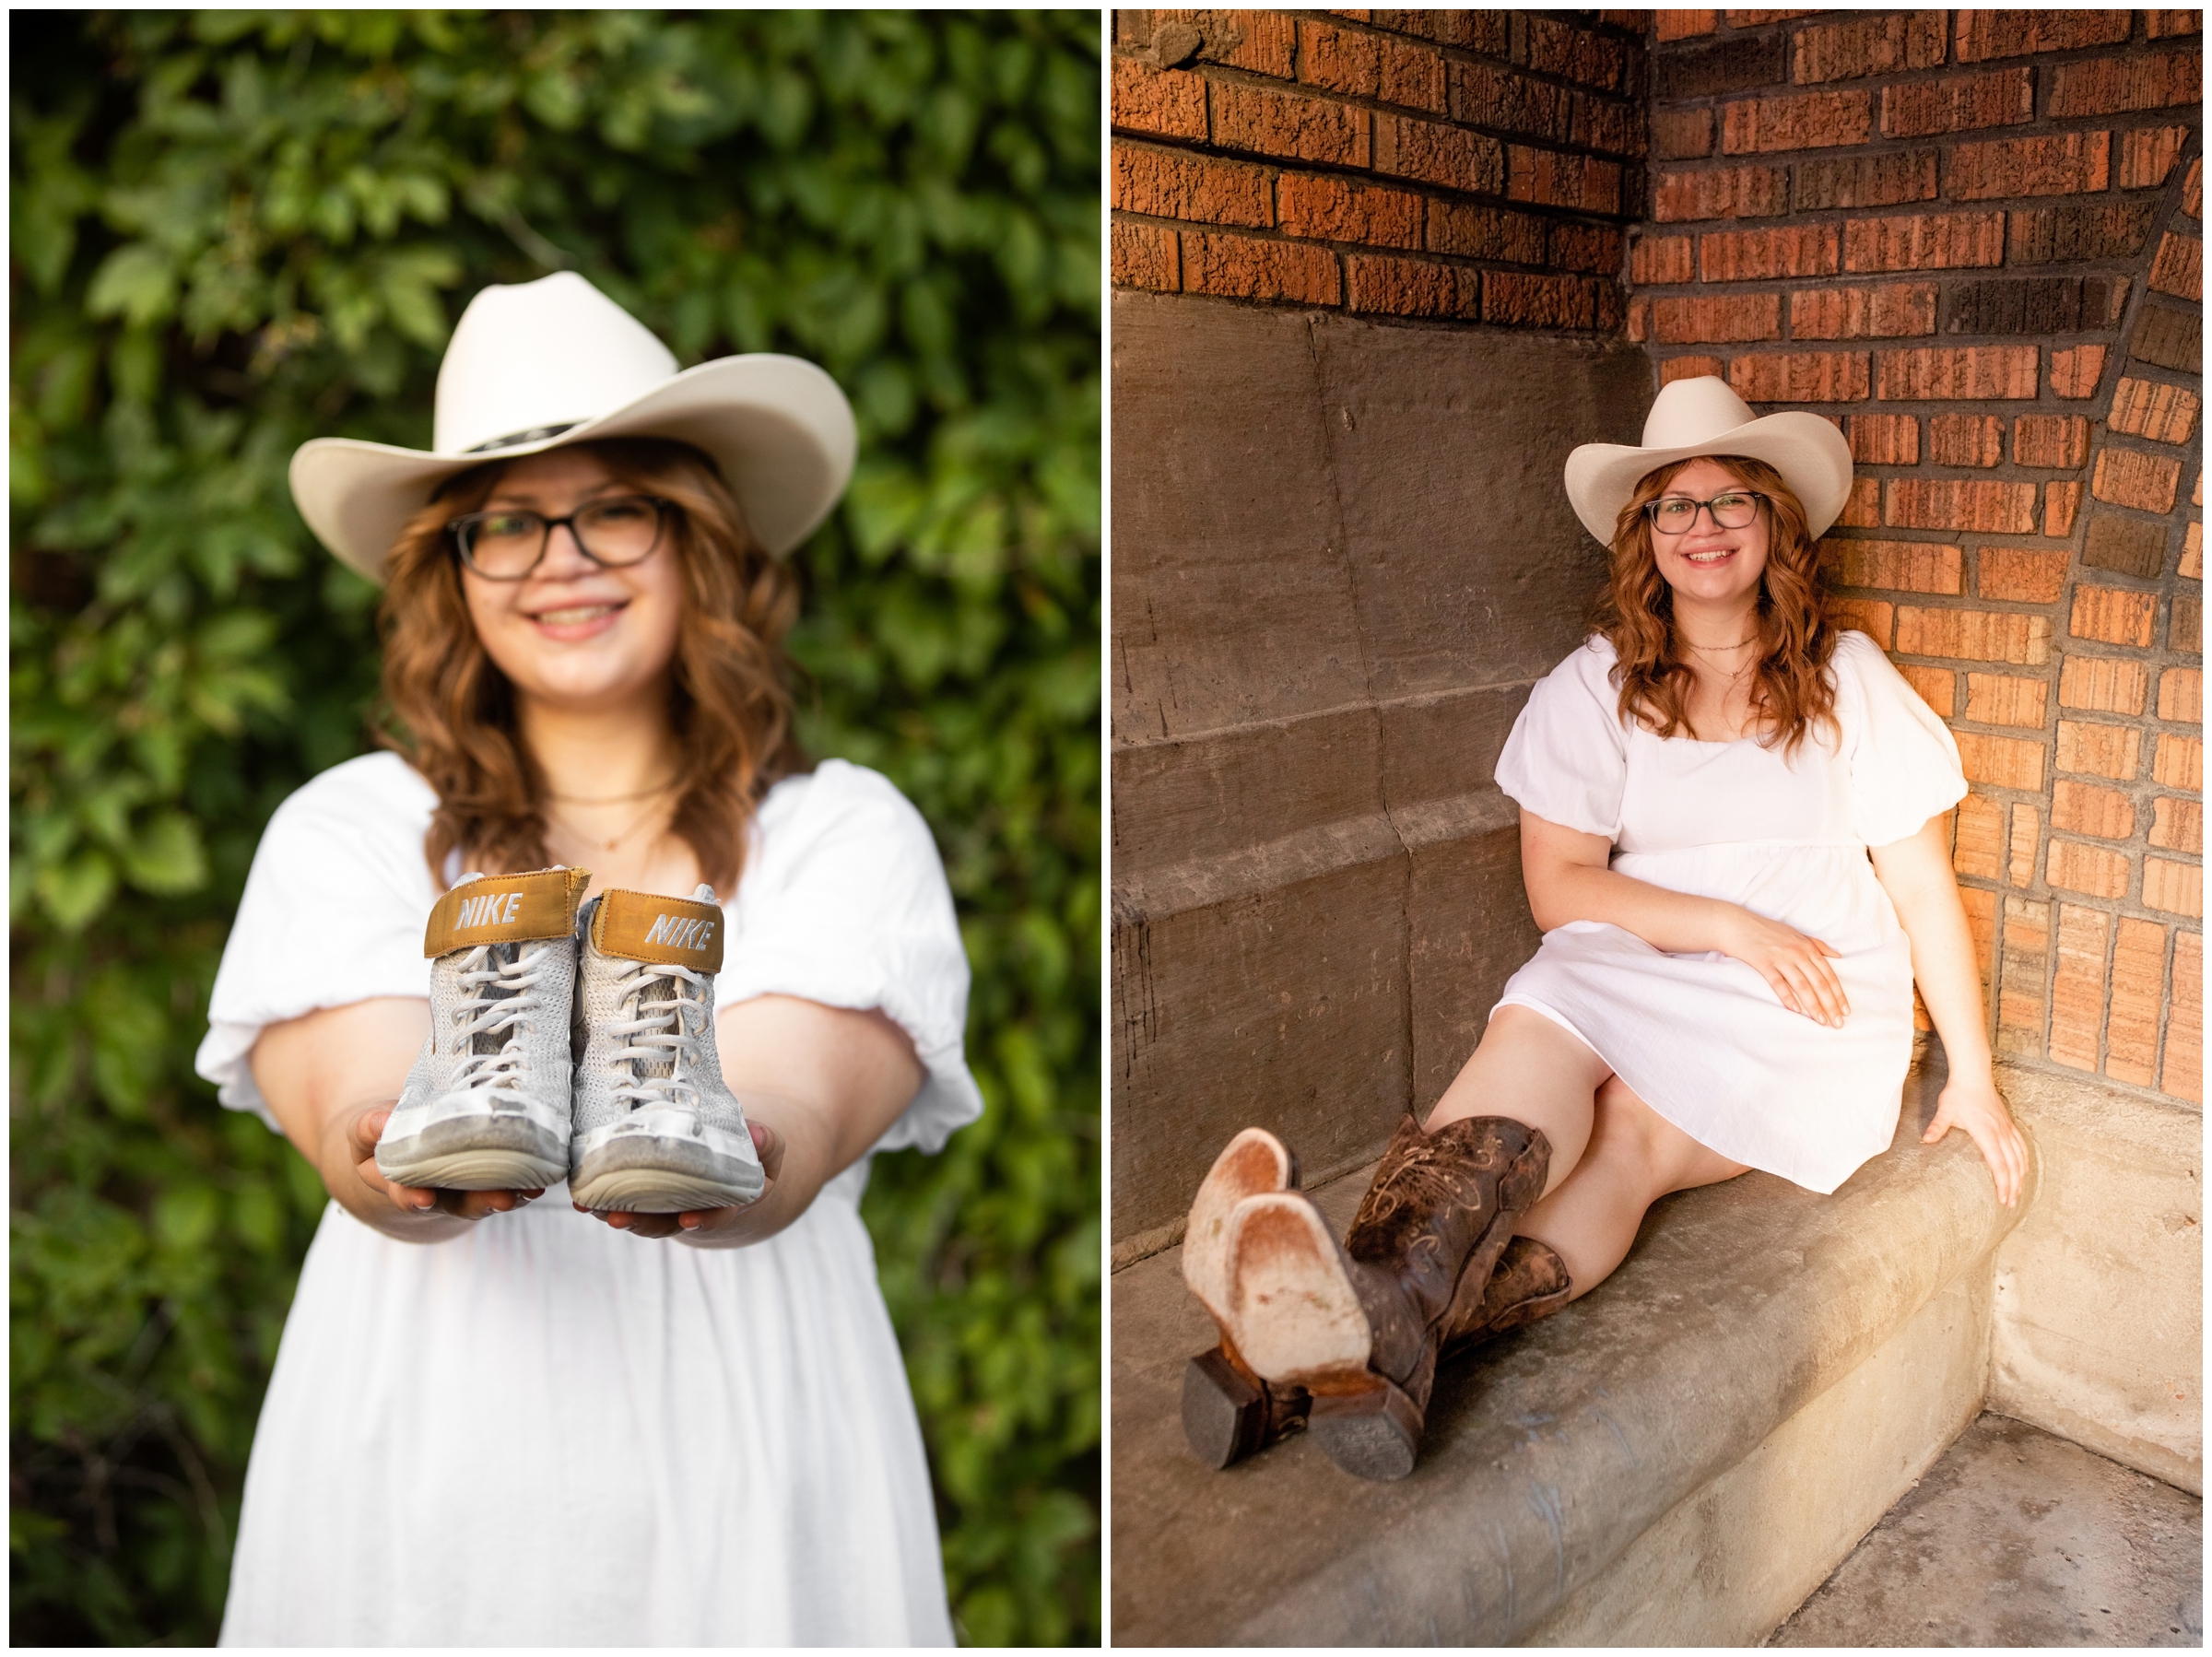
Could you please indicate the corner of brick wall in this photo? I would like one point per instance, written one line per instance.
(1974, 240)
(1478, 167)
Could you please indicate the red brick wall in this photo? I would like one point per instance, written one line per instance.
(1972, 239)
(1477, 166)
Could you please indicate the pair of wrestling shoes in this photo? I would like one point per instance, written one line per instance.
(1343, 1341)
(572, 1040)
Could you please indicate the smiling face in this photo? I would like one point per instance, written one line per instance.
(575, 635)
(1709, 567)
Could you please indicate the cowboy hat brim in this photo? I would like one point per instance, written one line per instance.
(1808, 451)
(778, 427)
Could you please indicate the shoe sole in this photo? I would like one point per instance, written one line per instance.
(1375, 1434)
(1295, 1316)
(646, 1174)
(476, 1153)
(1251, 1164)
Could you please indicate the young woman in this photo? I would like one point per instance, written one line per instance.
(1733, 835)
(498, 1423)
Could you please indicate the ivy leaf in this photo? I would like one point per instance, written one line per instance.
(166, 855)
(136, 282)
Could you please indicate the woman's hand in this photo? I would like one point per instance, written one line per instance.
(361, 1128)
(729, 1228)
(1794, 965)
(1974, 1104)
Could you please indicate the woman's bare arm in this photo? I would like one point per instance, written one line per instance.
(332, 1077)
(820, 1085)
(1916, 873)
(1566, 878)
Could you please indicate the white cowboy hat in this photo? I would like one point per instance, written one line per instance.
(1691, 418)
(553, 362)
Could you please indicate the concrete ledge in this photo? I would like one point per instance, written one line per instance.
(1552, 1452)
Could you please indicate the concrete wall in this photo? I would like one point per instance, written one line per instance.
(1341, 558)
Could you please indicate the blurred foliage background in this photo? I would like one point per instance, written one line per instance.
(232, 231)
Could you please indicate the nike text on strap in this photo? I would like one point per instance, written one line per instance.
(669, 932)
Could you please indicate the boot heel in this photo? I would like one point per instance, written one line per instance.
(1229, 1415)
(1374, 1434)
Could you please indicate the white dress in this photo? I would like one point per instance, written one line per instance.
(545, 1432)
(1702, 1039)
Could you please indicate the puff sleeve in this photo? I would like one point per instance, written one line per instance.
(1567, 757)
(1904, 764)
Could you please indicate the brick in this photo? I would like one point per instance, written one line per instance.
(1479, 232)
(2061, 501)
(1811, 120)
(2056, 164)
(2133, 477)
(1610, 126)
(1166, 103)
(2102, 685)
(2139, 975)
(1961, 440)
(2075, 373)
(1265, 122)
(1146, 255)
(1958, 103)
(2150, 409)
(1728, 65)
(1685, 25)
(2114, 751)
(1981, 927)
(2193, 190)
(1956, 503)
(2182, 696)
(1881, 440)
(2019, 860)
(2111, 85)
(1974, 635)
(2022, 963)
(1718, 317)
(2089, 808)
(2147, 155)
(2051, 441)
(1863, 510)
(1754, 255)
(2178, 761)
(1485, 32)
(1533, 301)
(1923, 241)
(1881, 181)
(1868, 616)
(1937, 687)
(1999, 699)
(1800, 377)
(2170, 339)
(1752, 20)
(1722, 192)
(2093, 870)
(2018, 576)
(2182, 1075)
(1493, 96)
(1370, 66)
(1170, 184)
(2037, 305)
(1556, 47)
(1868, 46)
(1689, 367)
(2129, 546)
(1978, 848)
(2114, 616)
(1392, 286)
(2000, 761)
(1437, 154)
(2159, 25)
(1243, 267)
(1660, 259)
(1552, 178)
(1590, 248)
(2176, 887)
(1986, 34)
(2186, 630)
(1885, 312)
(1905, 566)
(1681, 134)
(2077, 981)
(2193, 546)
(2179, 268)
(2066, 235)
(2177, 824)
(1336, 209)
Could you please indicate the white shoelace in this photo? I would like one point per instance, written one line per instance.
(504, 1000)
(665, 1035)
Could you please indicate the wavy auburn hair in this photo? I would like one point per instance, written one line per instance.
(1791, 688)
(729, 697)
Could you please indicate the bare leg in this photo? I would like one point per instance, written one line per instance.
(1531, 1069)
(1634, 1157)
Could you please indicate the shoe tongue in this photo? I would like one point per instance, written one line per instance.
(505, 908)
(499, 954)
(667, 931)
(657, 993)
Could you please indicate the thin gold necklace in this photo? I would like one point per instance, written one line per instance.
(643, 793)
(609, 845)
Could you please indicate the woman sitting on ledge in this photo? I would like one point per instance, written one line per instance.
(1732, 834)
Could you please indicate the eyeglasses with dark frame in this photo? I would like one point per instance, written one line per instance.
(509, 544)
(1677, 514)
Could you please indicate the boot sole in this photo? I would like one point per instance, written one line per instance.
(1372, 1435)
(1295, 1316)
(1251, 1164)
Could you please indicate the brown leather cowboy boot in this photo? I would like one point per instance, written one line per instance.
(1359, 1327)
(1530, 1282)
(1228, 1411)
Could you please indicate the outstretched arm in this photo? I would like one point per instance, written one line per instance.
(1916, 873)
